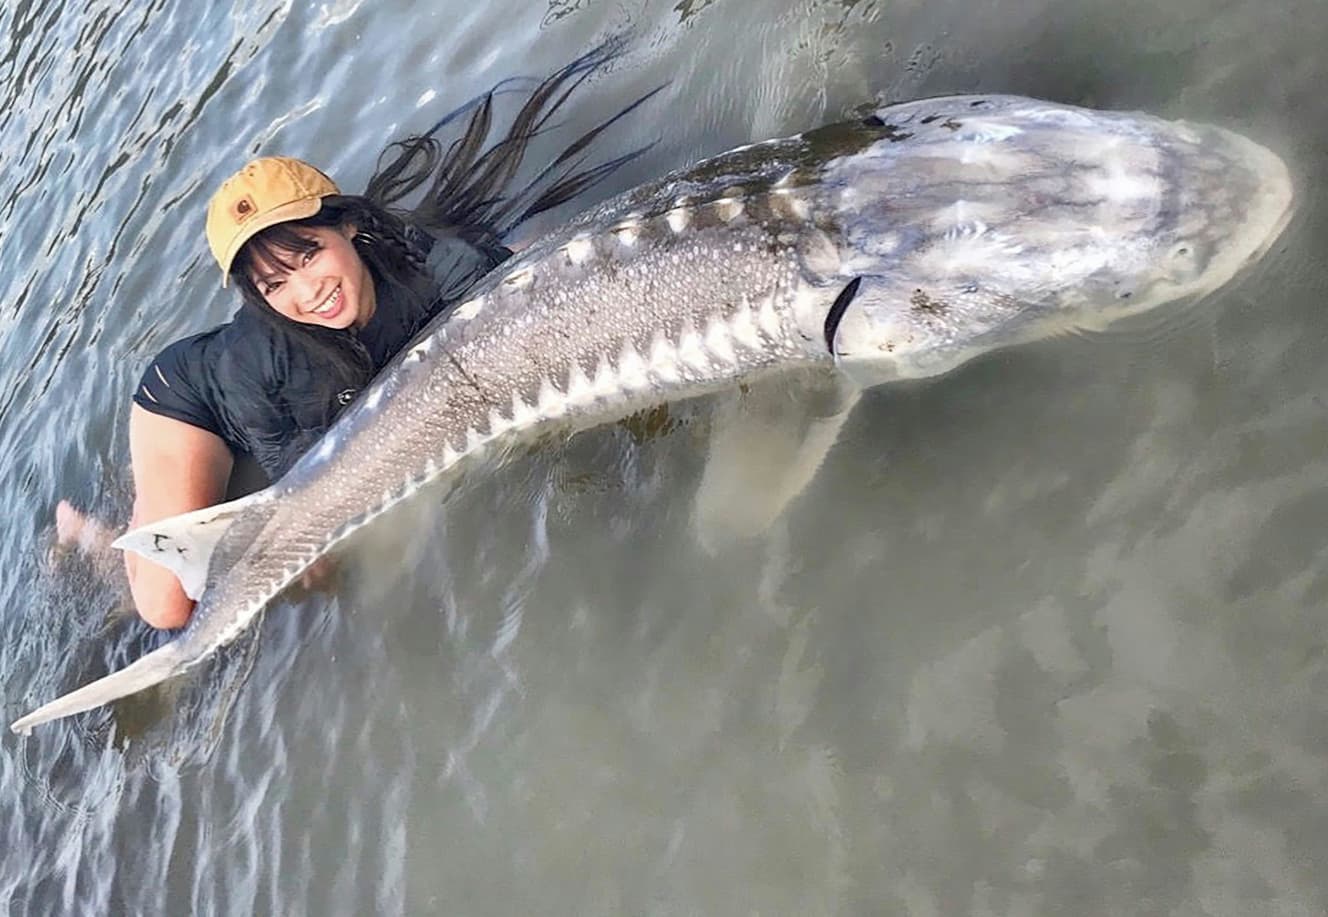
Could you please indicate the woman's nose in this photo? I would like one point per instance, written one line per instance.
(305, 287)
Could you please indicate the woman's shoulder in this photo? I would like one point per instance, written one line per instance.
(243, 340)
(190, 377)
(455, 264)
(180, 363)
(176, 382)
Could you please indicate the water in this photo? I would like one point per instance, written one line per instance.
(1045, 636)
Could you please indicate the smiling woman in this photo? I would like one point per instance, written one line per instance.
(333, 286)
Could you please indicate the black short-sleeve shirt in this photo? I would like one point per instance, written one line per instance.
(256, 387)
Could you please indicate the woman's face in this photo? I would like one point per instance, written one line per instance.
(329, 286)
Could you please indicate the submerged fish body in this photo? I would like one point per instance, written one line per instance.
(895, 246)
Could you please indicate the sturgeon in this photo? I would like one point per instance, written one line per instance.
(895, 246)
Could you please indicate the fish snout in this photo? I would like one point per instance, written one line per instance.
(1235, 196)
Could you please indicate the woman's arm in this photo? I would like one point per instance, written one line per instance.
(178, 467)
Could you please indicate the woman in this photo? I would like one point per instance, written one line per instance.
(333, 285)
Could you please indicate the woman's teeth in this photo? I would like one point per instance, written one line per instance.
(330, 303)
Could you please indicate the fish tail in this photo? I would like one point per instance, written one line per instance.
(152, 669)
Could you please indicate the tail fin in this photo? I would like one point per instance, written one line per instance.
(152, 669)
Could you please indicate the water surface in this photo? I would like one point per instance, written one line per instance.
(1045, 636)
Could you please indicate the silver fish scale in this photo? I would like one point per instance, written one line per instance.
(605, 325)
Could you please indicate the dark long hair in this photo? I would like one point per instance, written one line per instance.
(462, 190)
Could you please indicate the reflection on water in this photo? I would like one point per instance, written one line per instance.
(1044, 636)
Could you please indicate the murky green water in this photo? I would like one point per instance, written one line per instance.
(1046, 636)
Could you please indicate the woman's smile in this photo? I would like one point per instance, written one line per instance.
(330, 307)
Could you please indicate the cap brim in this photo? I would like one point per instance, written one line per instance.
(295, 210)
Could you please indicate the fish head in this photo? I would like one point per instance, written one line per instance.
(976, 222)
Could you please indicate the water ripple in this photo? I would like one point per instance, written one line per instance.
(1044, 636)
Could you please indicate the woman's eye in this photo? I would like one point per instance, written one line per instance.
(270, 287)
(309, 256)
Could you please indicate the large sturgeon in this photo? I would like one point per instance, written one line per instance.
(892, 247)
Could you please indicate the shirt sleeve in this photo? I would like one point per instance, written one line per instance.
(457, 264)
(172, 386)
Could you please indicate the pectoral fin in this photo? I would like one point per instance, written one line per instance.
(183, 544)
(767, 442)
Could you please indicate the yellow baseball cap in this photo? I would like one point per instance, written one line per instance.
(265, 192)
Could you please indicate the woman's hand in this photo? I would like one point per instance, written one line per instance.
(321, 575)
